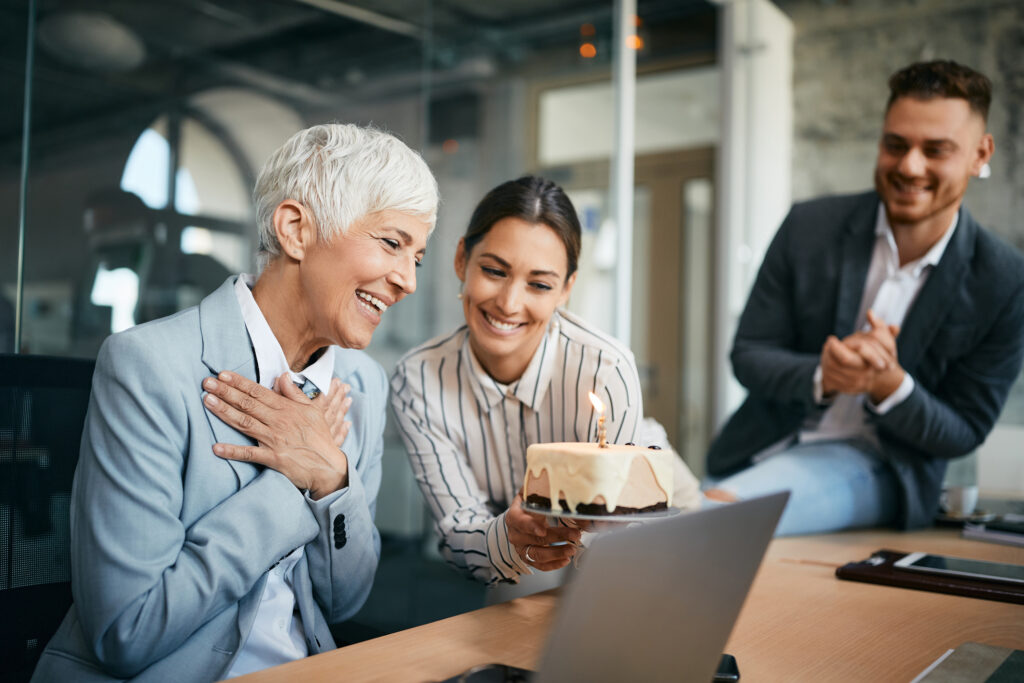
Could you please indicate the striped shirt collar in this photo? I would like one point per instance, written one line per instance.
(530, 388)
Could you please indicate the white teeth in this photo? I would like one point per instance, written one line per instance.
(381, 306)
(500, 325)
(905, 187)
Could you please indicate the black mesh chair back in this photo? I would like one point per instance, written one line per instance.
(43, 401)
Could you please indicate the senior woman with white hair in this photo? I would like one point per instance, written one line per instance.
(219, 532)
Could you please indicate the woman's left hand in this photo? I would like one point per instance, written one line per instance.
(335, 406)
(293, 434)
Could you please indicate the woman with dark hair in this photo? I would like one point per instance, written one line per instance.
(469, 403)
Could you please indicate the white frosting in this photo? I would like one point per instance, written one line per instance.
(585, 472)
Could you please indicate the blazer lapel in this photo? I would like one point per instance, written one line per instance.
(931, 307)
(858, 243)
(226, 346)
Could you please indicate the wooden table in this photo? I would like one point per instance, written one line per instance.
(799, 623)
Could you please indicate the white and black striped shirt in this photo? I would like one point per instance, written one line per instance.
(467, 434)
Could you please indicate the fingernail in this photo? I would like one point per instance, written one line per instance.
(210, 383)
(211, 400)
(347, 402)
(225, 376)
(218, 449)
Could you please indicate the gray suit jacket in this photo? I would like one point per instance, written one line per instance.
(171, 544)
(962, 341)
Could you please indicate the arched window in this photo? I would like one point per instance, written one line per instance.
(182, 220)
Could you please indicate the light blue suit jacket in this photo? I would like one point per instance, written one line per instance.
(170, 544)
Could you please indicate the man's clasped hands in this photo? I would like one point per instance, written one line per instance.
(864, 362)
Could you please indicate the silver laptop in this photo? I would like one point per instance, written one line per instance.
(657, 601)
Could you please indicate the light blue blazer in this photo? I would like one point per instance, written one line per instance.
(170, 544)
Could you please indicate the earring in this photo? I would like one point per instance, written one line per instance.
(459, 296)
(985, 171)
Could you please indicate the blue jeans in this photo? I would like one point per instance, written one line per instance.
(833, 485)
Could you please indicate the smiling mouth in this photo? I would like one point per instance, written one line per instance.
(906, 188)
(498, 324)
(371, 302)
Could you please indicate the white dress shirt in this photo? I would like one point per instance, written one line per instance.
(277, 635)
(889, 291)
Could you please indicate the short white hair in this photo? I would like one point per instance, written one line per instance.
(341, 172)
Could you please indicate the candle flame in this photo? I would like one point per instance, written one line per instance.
(597, 403)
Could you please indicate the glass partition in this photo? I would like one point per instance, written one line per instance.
(12, 56)
(150, 121)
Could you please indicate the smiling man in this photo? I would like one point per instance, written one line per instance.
(884, 329)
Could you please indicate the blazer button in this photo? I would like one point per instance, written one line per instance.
(339, 532)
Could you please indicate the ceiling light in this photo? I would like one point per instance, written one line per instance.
(91, 40)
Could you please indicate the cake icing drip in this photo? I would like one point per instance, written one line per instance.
(572, 476)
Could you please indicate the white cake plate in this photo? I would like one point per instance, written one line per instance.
(633, 517)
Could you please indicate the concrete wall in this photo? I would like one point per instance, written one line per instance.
(844, 52)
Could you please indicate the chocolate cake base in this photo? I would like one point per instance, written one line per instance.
(593, 508)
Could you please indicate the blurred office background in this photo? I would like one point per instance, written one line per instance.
(131, 133)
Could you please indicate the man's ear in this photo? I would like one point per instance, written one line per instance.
(294, 227)
(986, 147)
(460, 259)
(567, 289)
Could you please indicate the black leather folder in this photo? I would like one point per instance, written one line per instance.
(879, 569)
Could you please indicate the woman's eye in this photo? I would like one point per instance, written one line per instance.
(493, 272)
(542, 286)
(390, 242)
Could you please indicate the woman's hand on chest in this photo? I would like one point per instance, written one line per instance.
(297, 436)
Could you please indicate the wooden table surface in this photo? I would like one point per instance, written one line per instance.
(799, 623)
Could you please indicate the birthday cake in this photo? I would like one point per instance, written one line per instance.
(590, 479)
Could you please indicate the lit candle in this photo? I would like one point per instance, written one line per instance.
(599, 407)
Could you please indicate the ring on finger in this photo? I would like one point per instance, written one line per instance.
(526, 554)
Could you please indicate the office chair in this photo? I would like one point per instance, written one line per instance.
(43, 401)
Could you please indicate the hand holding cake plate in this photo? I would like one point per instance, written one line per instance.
(540, 545)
